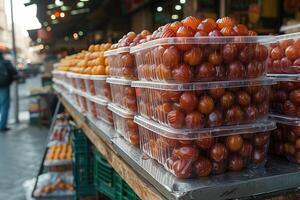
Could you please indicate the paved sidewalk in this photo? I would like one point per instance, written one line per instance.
(21, 150)
(21, 153)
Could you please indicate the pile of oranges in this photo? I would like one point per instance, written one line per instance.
(70, 62)
(91, 62)
(60, 152)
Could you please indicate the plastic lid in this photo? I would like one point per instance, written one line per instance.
(83, 76)
(98, 77)
(119, 111)
(94, 99)
(283, 119)
(73, 75)
(285, 77)
(188, 134)
(203, 40)
(117, 51)
(58, 72)
(288, 36)
(118, 81)
(201, 85)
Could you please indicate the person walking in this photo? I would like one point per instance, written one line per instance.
(8, 74)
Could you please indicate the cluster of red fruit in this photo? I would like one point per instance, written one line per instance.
(132, 39)
(194, 27)
(207, 155)
(205, 108)
(124, 96)
(286, 98)
(194, 55)
(59, 134)
(122, 63)
(285, 57)
(286, 141)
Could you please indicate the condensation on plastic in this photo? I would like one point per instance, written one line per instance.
(167, 150)
(152, 65)
(123, 94)
(124, 124)
(285, 66)
(121, 63)
(285, 140)
(155, 101)
(285, 99)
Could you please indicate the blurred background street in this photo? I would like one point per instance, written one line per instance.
(21, 148)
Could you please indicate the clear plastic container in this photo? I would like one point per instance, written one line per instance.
(102, 111)
(285, 140)
(123, 94)
(284, 56)
(97, 86)
(184, 60)
(83, 103)
(285, 99)
(191, 154)
(90, 87)
(91, 108)
(76, 98)
(73, 80)
(125, 125)
(81, 81)
(121, 63)
(199, 105)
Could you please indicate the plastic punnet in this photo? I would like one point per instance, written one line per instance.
(193, 59)
(204, 104)
(211, 151)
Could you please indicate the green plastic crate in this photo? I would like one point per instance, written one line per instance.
(123, 190)
(103, 175)
(108, 182)
(83, 161)
(80, 142)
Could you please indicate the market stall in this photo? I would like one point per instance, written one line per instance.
(183, 113)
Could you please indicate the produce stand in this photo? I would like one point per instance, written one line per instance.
(44, 167)
(151, 181)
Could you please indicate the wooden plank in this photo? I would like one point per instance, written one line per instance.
(139, 185)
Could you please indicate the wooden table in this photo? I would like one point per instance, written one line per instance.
(151, 181)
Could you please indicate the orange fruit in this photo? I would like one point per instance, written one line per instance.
(97, 47)
(101, 60)
(99, 70)
(92, 48)
(107, 70)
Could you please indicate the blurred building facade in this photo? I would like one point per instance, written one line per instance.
(3, 25)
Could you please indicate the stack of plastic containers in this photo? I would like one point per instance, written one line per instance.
(284, 65)
(123, 106)
(203, 103)
(98, 96)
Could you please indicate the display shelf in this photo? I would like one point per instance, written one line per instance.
(151, 181)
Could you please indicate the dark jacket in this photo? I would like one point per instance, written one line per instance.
(12, 72)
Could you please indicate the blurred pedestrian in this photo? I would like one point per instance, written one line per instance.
(8, 74)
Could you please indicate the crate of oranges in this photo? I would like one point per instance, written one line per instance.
(59, 154)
